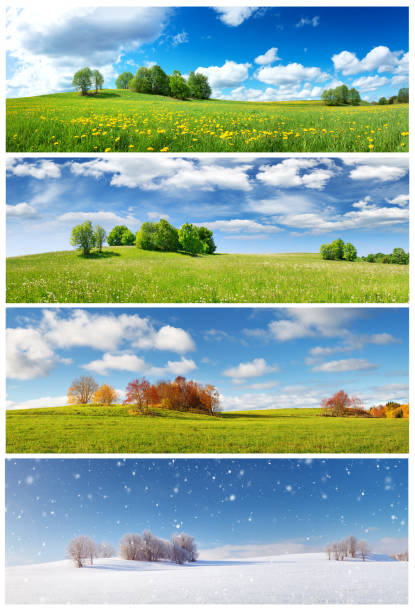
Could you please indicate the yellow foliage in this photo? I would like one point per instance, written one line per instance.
(105, 395)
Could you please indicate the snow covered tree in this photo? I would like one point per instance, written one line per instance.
(106, 551)
(131, 546)
(178, 554)
(329, 551)
(82, 548)
(363, 548)
(351, 546)
(188, 543)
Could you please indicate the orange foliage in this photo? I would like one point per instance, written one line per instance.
(105, 395)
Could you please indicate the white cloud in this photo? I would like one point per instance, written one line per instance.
(382, 338)
(400, 200)
(399, 79)
(173, 339)
(155, 216)
(180, 38)
(380, 58)
(50, 43)
(299, 397)
(177, 368)
(41, 169)
(346, 365)
(268, 57)
(307, 322)
(39, 402)
(22, 210)
(370, 83)
(109, 362)
(264, 385)
(234, 15)
(251, 369)
(379, 172)
(295, 173)
(104, 217)
(289, 74)
(228, 75)
(239, 225)
(249, 551)
(28, 354)
(313, 21)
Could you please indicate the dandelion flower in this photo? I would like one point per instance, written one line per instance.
(108, 149)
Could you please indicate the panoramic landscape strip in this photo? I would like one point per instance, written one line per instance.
(275, 531)
(240, 380)
(200, 79)
(210, 230)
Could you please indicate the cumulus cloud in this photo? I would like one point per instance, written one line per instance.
(370, 83)
(400, 200)
(48, 44)
(291, 73)
(294, 172)
(345, 365)
(307, 322)
(228, 75)
(379, 172)
(39, 402)
(251, 369)
(22, 210)
(299, 397)
(268, 57)
(173, 339)
(28, 354)
(240, 225)
(106, 218)
(381, 59)
(109, 362)
(233, 16)
(41, 169)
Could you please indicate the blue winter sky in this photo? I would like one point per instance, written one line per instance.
(252, 204)
(256, 357)
(233, 508)
(248, 53)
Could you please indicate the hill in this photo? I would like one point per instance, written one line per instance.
(307, 578)
(95, 429)
(120, 120)
(128, 274)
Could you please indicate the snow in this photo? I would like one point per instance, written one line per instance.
(307, 578)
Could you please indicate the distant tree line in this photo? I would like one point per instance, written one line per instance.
(179, 394)
(160, 236)
(341, 96)
(390, 410)
(340, 404)
(155, 81)
(135, 547)
(348, 547)
(338, 250)
(401, 98)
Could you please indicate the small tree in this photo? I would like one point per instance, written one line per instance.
(137, 394)
(82, 80)
(206, 237)
(141, 82)
(118, 234)
(146, 237)
(352, 546)
(340, 404)
(178, 86)
(354, 97)
(127, 238)
(83, 237)
(131, 546)
(363, 548)
(403, 95)
(105, 395)
(159, 81)
(97, 80)
(199, 86)
(82, 390)
(167, 238)
(178, 554)
(100, 235)
(123, 80)
(106, 551)
(189, 239)
(329, 551)
(349, 252)
(399, 256)
(382, 101)
(82, 548)
(188, 543)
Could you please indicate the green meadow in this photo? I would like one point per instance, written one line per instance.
(93, 429)
(120, 120)
(128, 274)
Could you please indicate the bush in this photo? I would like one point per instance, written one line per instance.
(349, 252)
(338, 250)
(163, 236)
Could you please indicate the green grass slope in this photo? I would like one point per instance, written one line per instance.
(90, 429)
(128, 274)
(117, 120)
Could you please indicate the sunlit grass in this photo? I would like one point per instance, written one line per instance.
(116, 120)
(89, 429)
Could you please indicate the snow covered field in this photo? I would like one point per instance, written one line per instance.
(284, 579)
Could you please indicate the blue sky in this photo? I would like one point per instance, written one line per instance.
(252, 204)
(256, 357)
(275, 53)
(241, 507)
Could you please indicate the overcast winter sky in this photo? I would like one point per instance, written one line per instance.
(276, 53)
(234, 508)
(253, 205)
(257, 358)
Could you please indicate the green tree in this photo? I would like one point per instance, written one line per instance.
(328, 97)
(141, 82)
(393, 100)
(199, 86)
(167, 238)
(189, 239)
(338, 248)
(83, 237)
(399, 256)
(127, 237)
(354, 97)
(146, 237)
(160, 83)
(326, 251)
(100, 235)
(178, 86)
(123, 80)
(206, 237)
(403, 95)
(116, 235)
(349, 252)
(382, 100)
(97, 80)
(82, 80)
(341, 95)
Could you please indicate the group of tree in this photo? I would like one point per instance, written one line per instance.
(338, 250)
(85, 79)
(155, 81)
(341, 96)
(398, 256)
(86, 237)
(401, 98)
(390, 410)
(348, 547)
(135, 547)
(403, 556)
(180, 395)
(162, 236)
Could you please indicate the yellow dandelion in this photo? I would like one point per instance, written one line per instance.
(164, 149)
(131, 146)
(150, 149)
(108, 149)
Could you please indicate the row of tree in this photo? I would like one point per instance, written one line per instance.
(179, 394)
(340, 404)
(160, 236)
(401, 98)
(390, 410)
(341, 96)
(398, 256)
(348, 547)
(338, 250)
(155, 81)
(135, 547)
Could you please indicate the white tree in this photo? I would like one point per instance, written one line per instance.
(178, 554)
(131, 546)
(363, 548)
(106, 551)
(188, 543)
(82, 548)
(329, 550)
(352, 546)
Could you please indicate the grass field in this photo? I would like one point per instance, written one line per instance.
(116, 120)
(91, 429)
(128, 274)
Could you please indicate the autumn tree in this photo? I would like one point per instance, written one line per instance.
(105, 395)
(137, 394)
(341, 404)
(82, 390)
